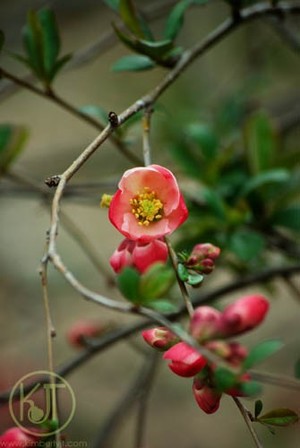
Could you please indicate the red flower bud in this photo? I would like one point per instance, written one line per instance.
(205, 250)
(160, 338)
(205, 323)
(185, 360)
(208, 399)
(244, 314)
(83, 329)
(16, 438)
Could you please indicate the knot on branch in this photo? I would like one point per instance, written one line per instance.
(52, 181)
(113, 119)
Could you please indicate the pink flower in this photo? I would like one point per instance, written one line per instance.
(83, 329)
(160, 338)
(138, 254)
(148, 204)
(16, 438)
(244, 314)
(185, 360)
(205, 323)
(208, 399)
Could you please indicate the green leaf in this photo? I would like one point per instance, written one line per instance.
(155, 50)
(113, 4)
(12, 141)
(261, 352)
(205, 138)
(267, 177)
(133, 63)
(60, 63)
(288, 217)
(246, 244)
(183, 273)
(33, 44)
(297, 369)
(176, 19)
(195, 279)
(133, 20)
(50, 39)
(251, 388)
(95, 111)
(186, 159)
(162, 306)
(279, 417)
(156, 282)
(258, 408)
(2, 39)
(260, 142)
(224, 379)
(129, 283)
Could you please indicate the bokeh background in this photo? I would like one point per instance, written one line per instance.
(253, 56)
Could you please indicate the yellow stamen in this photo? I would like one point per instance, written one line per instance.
(146, 207)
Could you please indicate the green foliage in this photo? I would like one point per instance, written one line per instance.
(288, 217)
(42, 46)
(133, 63)
(246, 244)
(251, 388)
(279, 417)
(133, 20)
(175, 19)
(261, 352)
(145, 289)
(258, 407)
(12, 142)
(129, 282)
(224, 379)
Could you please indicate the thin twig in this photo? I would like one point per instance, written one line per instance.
(247, 417)
(293, 288)
(183, 289)
(146, 135)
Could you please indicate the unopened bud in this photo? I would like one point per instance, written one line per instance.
(184, 360)
(160, 338)
(207, 398)
(82, 330)
(205, 323)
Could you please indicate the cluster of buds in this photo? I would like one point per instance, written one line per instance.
(202, 258)
(211, 328)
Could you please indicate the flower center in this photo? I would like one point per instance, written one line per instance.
(146, 207)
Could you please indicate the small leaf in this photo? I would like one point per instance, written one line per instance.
(176, 19)
(260, 142)
(224, 379)
(129, 282)
(195, 279)
(246, 244)
(162, 306)
(251, 388)
(258, 408)
(132, 19)
(205, 138)
(267, 177)
(261, 352)
(155, 50)
(279, 417)
(156, 282)
(288, 217)
(133, 63)
(2, 39)
(12, 141)
(50, 40)
(183, 273)
(33, 44)
(297, 369)
(60, 63)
